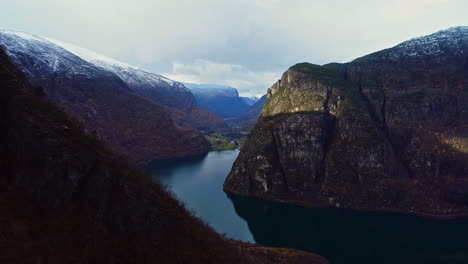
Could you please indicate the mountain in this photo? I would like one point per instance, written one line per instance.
(250, 100)
(108, 107)
(171, 94)
(66, 198)
(247, 120)
(254, 111)
(219, 99)
(387, 131)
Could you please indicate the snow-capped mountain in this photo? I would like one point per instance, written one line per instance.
(146, 83)
(130, 74)
(42, 59)
(59, 57)
(434, 44)
(140, 114)
(449, 41)
(35, 54)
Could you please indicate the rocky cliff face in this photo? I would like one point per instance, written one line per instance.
(140, 129)
(384, 132)
(65, 198)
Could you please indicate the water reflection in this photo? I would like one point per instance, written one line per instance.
(346, 236)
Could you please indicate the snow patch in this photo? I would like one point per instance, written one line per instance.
(434, 44)
(133, 76)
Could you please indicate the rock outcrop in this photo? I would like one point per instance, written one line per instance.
(387, 131)
(65, 198)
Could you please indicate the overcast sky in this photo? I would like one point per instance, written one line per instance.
(242, 43)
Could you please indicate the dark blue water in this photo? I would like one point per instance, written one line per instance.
(198, 183)
(343, 236)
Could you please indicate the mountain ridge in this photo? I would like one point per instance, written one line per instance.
(159, 89)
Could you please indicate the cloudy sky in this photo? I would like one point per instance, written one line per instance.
(242, 43)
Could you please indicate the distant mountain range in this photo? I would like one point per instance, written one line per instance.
(250, 100)
(254, 111)
(220, 99)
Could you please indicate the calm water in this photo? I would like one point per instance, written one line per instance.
(343, 236)
(198, 182)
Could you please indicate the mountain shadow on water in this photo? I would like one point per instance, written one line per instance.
(348, 236)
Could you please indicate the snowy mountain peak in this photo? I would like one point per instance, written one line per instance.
(435, 43)
(58, 56)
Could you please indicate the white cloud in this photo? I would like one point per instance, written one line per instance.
(246, 81)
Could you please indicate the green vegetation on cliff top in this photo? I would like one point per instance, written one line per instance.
(327, 74)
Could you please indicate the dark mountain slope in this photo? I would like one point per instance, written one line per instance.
(387, 131)
(65, 198)
(107, 106)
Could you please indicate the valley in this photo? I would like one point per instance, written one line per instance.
(363, 161)
(65, 197)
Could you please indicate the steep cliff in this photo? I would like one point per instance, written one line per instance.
(384, 132)
(65, 198)
(131, 124)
